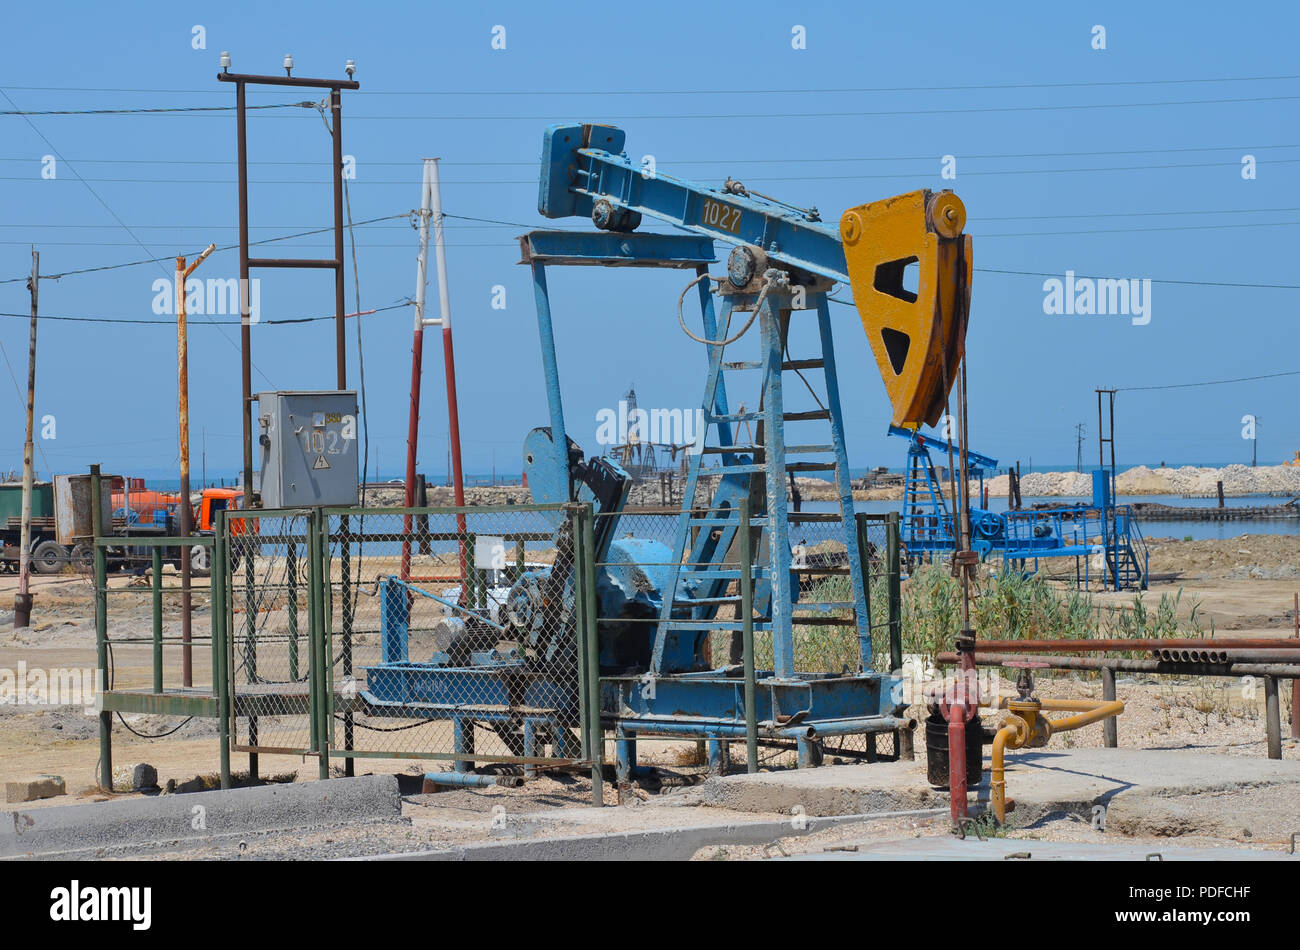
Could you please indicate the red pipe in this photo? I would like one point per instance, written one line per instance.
(453, 421)
(412, 440)
(959, 709)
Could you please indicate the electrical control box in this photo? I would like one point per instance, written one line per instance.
(309, 448)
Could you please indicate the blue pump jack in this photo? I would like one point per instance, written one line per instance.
(657, 605)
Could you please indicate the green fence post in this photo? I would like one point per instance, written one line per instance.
(747, 636)
(250, 634)
(326, 647)
(866, 648)
(573, 512)
(101, 633)
(291, 569)
(593, 658)
(157, 621)
(313, 624)
(893, 556)
(349, 616)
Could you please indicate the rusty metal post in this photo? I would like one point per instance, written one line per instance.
(1273, 718)
(417, 361)
(1110, 727)
(183, 404)
(335, 87)
(1295, 682)
(245, 324)
(101, 632)
(23, 599)
(448, 357)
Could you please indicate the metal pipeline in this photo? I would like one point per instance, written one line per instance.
(720, 729)
(1228, 656)
(472, 780)
(1025, 727)
(1287, 670)
(1136, 644)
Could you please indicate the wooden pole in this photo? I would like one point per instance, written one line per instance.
(187, 516)
(23, 599)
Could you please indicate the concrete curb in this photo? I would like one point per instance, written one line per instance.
(661, 844)
(197, 818)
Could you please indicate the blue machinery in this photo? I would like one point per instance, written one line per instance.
(1019, 536)
(656, 605)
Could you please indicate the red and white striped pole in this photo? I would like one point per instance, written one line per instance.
(431, 210)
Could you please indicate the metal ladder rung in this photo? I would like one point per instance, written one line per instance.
(824, 605)
(733, 417)
(743, 364)
(827, 569)
(807, 416)
(803, 364)
(708, 601)
(800, 517)
(825, 621)
(811, 449)
(810, 466)
(724, 573)
(716, 625)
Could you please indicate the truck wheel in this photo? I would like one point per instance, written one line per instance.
(199, 561)
(49, 557)
(83, 558)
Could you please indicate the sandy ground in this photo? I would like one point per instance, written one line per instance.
(1242, 586)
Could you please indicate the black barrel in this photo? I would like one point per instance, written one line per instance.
(936, 751)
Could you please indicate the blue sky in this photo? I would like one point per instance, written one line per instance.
(1111, 186)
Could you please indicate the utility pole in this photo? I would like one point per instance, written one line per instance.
(431, 214)
(23, 599)
(1254, 444)
(1078, 446)
(183, 404)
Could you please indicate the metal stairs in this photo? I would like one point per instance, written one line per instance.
(759, 469)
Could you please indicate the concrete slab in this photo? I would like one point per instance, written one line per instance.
(195, 819)
(1161, 792)
(34, 788)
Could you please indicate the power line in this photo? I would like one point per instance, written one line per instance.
(715, 116)
(155, 260)
(532, 163)
(886, 113)
(472, 227)
(1212, 382)
(193, 322)
(532, 182)
(113, 214)
(1154, 280)
(982, 235)
(156, 109)
(724, 92)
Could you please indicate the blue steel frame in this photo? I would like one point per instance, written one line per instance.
(705, 703)
(583, 164)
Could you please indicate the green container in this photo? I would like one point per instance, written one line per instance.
(11, 500)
